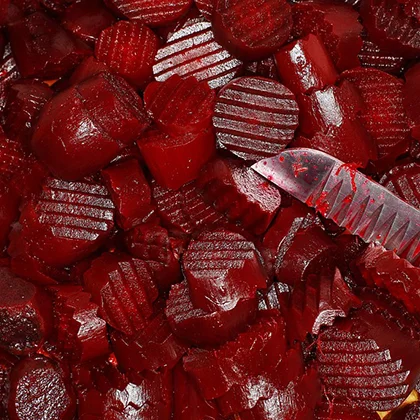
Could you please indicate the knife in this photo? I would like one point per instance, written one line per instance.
(340, 192)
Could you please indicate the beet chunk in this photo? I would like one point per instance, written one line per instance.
(25, 314)
(43, 49)
(89, 67)
(39, 377)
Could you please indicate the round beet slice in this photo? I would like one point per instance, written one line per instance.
(252, 29)
(255, 117)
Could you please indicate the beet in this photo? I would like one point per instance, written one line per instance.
(89, 67)
(206, 7)
(8, 73)
(339, 410)
(410, 99)
(407, 412)
(263, 68)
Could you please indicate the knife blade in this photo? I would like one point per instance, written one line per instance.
(340, 192)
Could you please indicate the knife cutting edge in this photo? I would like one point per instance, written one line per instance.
(341, 193)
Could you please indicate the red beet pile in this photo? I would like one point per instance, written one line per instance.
(146, 272)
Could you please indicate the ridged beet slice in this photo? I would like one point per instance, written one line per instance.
(176, 160)
(206, 328)
(263, 68)
(25, 314)
(235, 190)
(188, 401)
(305, 65)
(222, 268)
(192, 51)
(178, 106)
(89, 67)
(123, 288)
(153, 245)
(270, 20)
(407, 412)
(339, 410)
(154, 347)
(129, 191)
(336, 24)
(128, 48)
(65, 223)
(81, 333)
(390, 27)
(384, 115)
(255, 117)
(8, 73)
(32, 380)
(87, 19)
(206, 7)
(150, 12)
(411, 99)
(43, 49)
(25, 101)
(370, 358)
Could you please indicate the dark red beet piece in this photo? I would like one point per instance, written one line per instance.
(179, 106)
(222, 268)
(255, 117)
(390, 27)
(407, 412)
(338, 410)
(2, 42)
(206, 60)
(206, 7)
(176, 160)
(43, 49)
(25, 314)
(57, 6)
(31, 381)
(81, 333)
(123, 288)
(270, 20)
(150, 12)
(305, 65)
(184, 211)
(336, 24)
(129, 191)
(153, 245)
(128, 48)
(65, 223)
(8, 73)
(411, 102)
(4, 5)
(240, 193)
(383, 115)
(206, 328)
(25, 101)
(89, 67)
(263, 68)
(87, 19)
(7, 362)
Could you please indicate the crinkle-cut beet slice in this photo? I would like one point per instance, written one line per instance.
(188, 401)
(222, 268)
(385, 269)
(263, 68)
(305, 65)
(25, 101)
(39, 389)
(390, 27)
(153, 245)
(8, 74)
(176, 160)
(25, 314)
(81, 333)
(155, 346)
(383, 115)
(123, 288)
(404, 181)
(206, 328)
(42, 48)
(89, 67)
(252, 29)
(373, 56)
(411, 8)
(255, 117)
(254, 353)
(407, 412)
(130, 192)
(192, 51)
(152, 13)
(411, 100)
(129, 49)
(340, 410)
(370, 359)
(178, 105)
(336, 24)
(185, 210)
(65, 223)
(240, 193)
(206, 7)
(87, 19)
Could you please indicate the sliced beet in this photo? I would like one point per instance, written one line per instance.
(263, 68)
(8, 74)
(25, 314)
(7, 361)
(235, 190)
(407, 412)
(57, 6)
(89, 67)
(411, 99)
(339, 410)
(192, 51)
(255, 117)
(206, 7)
(128, 48)
(270, 20)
